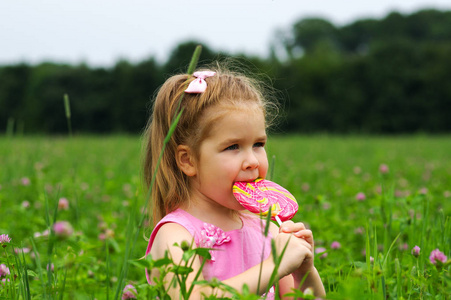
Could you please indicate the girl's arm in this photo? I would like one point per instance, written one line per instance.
(313, 280)
(286, 284)
(170, 233)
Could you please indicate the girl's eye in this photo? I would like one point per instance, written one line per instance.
(232, 147)
(260, 144)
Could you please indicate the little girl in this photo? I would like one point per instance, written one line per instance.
(220, 139)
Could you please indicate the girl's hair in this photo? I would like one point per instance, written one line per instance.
(226, 90)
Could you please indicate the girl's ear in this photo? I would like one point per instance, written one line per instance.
(185, 160)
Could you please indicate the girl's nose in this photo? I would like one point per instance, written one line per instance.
(250, 162)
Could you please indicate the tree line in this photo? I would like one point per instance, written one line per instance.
(388, 75)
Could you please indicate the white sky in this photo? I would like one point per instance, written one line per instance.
(99, 32)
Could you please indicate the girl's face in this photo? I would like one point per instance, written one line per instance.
(233, 151)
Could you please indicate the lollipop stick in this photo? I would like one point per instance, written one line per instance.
(278, 220)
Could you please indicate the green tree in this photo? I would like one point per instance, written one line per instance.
(134, 86)
(180, 57)
(307, 33)
(14, 85)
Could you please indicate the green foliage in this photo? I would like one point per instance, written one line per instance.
(311, 32)
(179, 58)
(388, 75)
(407, 206)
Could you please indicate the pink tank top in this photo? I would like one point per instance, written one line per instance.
(233, 251)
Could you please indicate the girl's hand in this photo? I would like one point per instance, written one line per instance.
(297, 251)
(298, 230)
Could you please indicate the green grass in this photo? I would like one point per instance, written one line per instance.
(101, 178)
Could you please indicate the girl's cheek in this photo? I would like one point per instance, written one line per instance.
(264, 167)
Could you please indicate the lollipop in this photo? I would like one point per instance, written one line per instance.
(258, 196)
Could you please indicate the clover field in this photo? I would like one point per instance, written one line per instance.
(378, 207)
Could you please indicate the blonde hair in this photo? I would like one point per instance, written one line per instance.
(227, 89)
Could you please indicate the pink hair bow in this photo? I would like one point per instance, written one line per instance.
(199, 84)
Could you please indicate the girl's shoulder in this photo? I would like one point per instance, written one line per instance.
(174, 227)
(168, 234)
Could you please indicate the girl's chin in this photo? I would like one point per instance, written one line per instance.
(237, 206)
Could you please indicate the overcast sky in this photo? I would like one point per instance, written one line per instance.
(99, 32)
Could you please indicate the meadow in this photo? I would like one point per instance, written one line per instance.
(379, 207)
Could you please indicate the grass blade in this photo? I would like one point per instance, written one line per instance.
(10, 127)
(194, 59)
(127, 252)
(22, 265)
(268, 222)
(191, 68)
(389, 250)
(64, 285)
(107, 246)
(68, 114)
(271, 168)
(367, 254)
(38, 264)
(178, 114)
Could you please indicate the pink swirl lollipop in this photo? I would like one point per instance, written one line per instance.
(258, 196)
